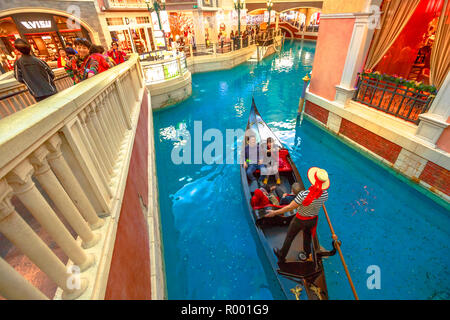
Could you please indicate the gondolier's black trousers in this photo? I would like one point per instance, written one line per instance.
(294, 228)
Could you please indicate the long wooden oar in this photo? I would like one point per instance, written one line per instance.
(338, 247)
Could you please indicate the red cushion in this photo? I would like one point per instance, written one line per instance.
(283, 163)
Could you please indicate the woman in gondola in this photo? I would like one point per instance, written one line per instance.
(269, 156)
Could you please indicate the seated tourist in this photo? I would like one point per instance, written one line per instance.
(264, 196)
(251, 157)
(286, 198)
(269, 157)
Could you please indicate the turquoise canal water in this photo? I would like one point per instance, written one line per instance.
(210, 248)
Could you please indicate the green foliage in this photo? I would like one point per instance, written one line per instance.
(411, 84)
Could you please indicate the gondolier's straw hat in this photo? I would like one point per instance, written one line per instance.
(321, 174)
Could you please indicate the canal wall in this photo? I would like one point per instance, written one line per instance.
(390, 140)
(219, 62)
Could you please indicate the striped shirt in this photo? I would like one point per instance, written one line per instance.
(313, 209)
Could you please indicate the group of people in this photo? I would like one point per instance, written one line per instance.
(81, 62)
(87, 59)
(306, 203)
(263, 157)
(250, 31)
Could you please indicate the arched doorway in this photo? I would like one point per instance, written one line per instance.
(45, 30)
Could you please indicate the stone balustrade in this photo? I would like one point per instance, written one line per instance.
(14, 96)
(69, 154)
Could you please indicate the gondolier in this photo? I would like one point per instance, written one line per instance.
(308, 204)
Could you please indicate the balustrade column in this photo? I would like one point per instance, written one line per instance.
(191, 51)
(24, 188)
(89, 142)
(232, 45)
(112, 123)
(123, 104)
(20, 234)
(15, 287)
(179, 66)
(51, 185)
(136, 82)
(105, 128)
(99, 138)
(131, 84)
(116, 111)
(70, 183)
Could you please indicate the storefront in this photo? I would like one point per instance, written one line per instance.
(46, 33)
(133, 34)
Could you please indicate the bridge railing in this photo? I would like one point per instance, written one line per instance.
(14, 96)
(64, 164)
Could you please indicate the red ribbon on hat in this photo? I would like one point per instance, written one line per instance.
(315, 191)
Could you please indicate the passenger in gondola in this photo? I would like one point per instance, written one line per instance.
(286, 198)
(252, 162)
(264, 196)
(269, 156)
(308, 204)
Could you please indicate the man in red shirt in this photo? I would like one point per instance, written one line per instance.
(117, 55)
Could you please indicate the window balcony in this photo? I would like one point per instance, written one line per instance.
(398, 97)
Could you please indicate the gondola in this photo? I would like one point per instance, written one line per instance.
(298, 279)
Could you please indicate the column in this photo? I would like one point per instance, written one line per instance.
(15, 287)
(56, 192)
(70, 183)
(354, 62)
(116, 111)
(89, 144)
(434, 122)
(19, 233)
(112, 125)
(24, 188)
(99, 119)
(123, 104)
(199, 28)
(99, 139)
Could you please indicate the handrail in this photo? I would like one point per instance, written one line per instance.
(9, 95)
(69, 154)
(338, 247)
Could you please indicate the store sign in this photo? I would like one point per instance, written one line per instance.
(43, 24)
(34, 22)
(130, 21)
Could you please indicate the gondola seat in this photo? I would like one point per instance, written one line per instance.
(283, 163)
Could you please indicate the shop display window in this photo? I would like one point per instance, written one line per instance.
(8, 33)
(44, 45)
(139, 40)
(122, 37)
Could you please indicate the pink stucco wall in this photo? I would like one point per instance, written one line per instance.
(329, 59)
(443, 142)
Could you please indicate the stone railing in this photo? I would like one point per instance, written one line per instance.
(64, 163)
(14, 96)
(167, 69)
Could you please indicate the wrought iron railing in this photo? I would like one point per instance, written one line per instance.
(393, 98)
